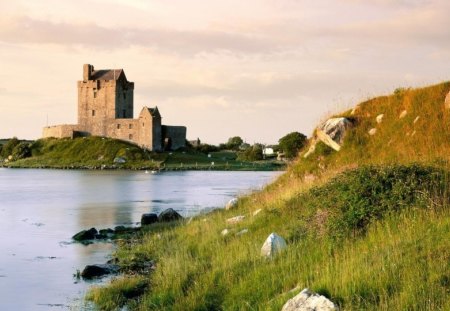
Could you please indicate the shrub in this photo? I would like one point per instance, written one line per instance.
(7, 149)
(21, 151)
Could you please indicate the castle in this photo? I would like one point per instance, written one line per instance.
(105, 108)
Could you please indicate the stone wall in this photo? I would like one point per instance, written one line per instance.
(174, 137)
(60, 131)
(124, 129)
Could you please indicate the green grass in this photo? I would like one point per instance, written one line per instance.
(367, 226)
(98, 152)
(383, 235)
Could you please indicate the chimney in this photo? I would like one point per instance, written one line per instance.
(87, 71)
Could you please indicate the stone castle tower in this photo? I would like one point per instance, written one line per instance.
(105, 108)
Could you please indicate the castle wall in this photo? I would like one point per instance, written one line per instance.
(174, 137)
(60, 131)
(100, 101)
(125, 129)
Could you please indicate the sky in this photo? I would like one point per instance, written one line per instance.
(258, 69)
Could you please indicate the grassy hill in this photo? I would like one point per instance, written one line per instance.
(98, 152)
(367, 226)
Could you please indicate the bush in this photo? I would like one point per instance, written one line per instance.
(358, 197)
(254, 153)
(292, 143)
(21, 151)
(8, 148)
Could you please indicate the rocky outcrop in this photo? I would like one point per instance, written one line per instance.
(232, 203)
(307, 300)
(85, 235)
(273, 245)
(169, 215)
(94, 271)
(148, 219)
(331, 133)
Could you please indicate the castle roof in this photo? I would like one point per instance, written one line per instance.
(154, 112)
(107, 74)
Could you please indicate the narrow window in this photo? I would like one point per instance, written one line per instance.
(118, 126)
(93, 113)
(95, 93)
(130, 126)
(124, 113)
(130, 136)
(143, 124)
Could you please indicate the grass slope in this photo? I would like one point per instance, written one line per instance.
(368, 227)
(98, 152)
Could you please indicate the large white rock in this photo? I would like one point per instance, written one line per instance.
(332, 132)
(307, 300)
(232, 203)
(273, 245)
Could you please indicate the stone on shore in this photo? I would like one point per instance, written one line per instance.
(273, 245)
(93, 271)
(307, 300)
(232, 203)
(85, 235)
(148, 219)
(169, 215)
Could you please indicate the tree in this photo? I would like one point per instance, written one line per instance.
(234, 142)
(291, 143)
(254, 153)
(9, 147)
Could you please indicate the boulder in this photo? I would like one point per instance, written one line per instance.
(273, 245)
(379, 118)
(235, 220)
(332, 132)
(148, 219)
(372, 131)
(307, 300)
(232, 203)
(120, 160)
(447, 101)
(169, 215)
(85, 235)
(93, 271)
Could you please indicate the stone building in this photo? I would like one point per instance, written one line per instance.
(105, 108)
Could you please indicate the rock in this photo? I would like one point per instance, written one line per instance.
(169, 215)
(447, 101)
(148, 219)
(120, 229)
(402, 114)
(332, 132)
(372, 131)
(257, 212)
(225, 232)
(93, 271)
(273, 245)
(379, 118)
(243, 231)
(85, 235)
(120, 160)
(235, 220)
(307, 300)
(232, 203)
(106, 231)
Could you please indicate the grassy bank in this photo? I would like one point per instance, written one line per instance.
(100, 153)
(370, 239)
(367, 226)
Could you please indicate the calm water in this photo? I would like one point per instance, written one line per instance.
(41, 209)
